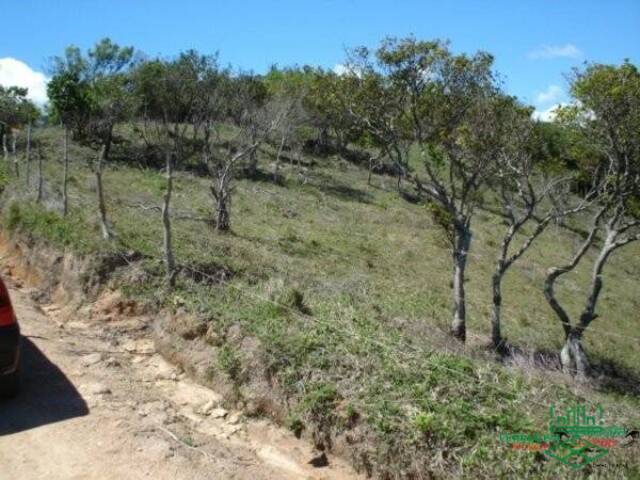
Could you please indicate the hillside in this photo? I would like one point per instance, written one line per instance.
(346, 288)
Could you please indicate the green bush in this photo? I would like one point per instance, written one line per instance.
(4, 176)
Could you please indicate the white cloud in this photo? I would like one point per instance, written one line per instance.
(547, 115)
(553, 94)
(13, 72)
(342, 69)
(568, 50)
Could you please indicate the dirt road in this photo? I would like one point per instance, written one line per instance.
(99, 403)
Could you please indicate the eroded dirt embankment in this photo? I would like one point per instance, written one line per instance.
(99, 400)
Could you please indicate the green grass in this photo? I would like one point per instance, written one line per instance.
(347, 288)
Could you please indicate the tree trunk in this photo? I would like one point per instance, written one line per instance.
(107, 145)
(16, 166)
(276, 168)
(144, 125)
(589, 312)
(40, 179)
(28, 156)
(5, 150)
(496, 288)
(496, 284)
(223, 220)
(573, 357)
(370, 170)
(373, 160)
(169, 260)
(102, 209)
(462, 242)
(65, 173)
(252, 169)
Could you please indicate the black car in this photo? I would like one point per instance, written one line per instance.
(9, 346)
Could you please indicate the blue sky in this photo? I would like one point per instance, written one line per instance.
(534, 41)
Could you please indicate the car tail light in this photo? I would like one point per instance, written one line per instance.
(7, 317)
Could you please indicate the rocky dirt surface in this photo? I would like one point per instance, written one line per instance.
(98, 402)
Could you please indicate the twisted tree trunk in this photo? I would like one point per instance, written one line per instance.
(572, 356)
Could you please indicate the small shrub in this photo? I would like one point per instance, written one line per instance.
(13, 217)
(4, 176)
(296, 425)
(424, 422)
(229, 361)
(320, 400)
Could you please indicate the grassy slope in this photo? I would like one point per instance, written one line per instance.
(373, 272)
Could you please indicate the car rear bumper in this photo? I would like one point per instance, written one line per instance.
(9, 349)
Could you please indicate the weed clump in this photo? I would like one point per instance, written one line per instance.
(293, 298)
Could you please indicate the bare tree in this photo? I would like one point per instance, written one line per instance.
(222, 163)
(170, 93)
(289, 105)
(246, 104)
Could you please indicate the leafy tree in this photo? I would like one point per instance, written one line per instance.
(14, 113)
(288, 89)
(417, 93)
(249, 97)
(326, 100)
(29, 114)
(95, 91)
(69, 103)
(531, 188)
(607, 114)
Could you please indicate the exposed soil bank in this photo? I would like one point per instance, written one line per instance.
(79, 297)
